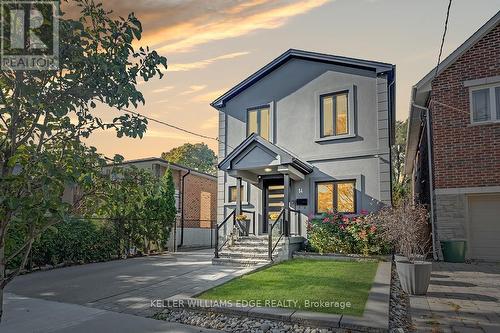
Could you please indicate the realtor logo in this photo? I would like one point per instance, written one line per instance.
(29, 35)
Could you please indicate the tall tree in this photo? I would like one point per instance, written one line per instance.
(400, 183)
(45, 114)
(195, 156)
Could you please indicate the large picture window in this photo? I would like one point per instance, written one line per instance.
(338, 196)
(258, 122)
(334, 114)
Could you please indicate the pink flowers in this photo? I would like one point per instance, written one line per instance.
(362, 234)
(373, 228)
(326, 220)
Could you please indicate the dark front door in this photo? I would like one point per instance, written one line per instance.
(273, 201)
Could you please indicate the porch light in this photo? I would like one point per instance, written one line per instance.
(268, 169)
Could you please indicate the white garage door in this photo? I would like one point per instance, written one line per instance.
(484, 227)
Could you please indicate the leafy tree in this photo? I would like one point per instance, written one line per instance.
(194, 156)
(400, 183)
(45, 114)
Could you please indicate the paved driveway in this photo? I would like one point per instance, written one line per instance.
(126, 286)
(461, 298)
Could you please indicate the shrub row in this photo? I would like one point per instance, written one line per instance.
(342, 233)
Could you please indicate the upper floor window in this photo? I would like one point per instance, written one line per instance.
(339, 196)
(233, 192)
(334, 114)
(258, 122)
(485, 104)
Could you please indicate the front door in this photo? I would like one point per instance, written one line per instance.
(273, 201)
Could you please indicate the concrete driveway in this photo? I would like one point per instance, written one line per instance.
(461, 298)
(127, 286)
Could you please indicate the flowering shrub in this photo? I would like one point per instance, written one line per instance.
(350, 234)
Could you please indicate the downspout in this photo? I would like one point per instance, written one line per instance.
(431, 177)
(182, 207)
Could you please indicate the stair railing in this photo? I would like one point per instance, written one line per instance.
(298, 220)
(272, 246)
(217, 247)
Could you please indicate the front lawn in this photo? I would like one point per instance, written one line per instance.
(312, 285)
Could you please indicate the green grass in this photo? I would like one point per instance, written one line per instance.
(303, 281)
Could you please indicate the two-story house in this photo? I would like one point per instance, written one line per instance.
(305, 134)
(453, 144)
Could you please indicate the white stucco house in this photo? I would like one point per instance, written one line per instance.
(306, 133)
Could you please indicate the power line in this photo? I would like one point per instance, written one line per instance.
(443, 38)
(161, 122)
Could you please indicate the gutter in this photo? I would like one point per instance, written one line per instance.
(431, 176)
(182, 207)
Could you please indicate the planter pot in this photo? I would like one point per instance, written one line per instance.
(414, 277)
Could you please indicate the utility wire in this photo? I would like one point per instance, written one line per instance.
(161, 122)
(443, 38)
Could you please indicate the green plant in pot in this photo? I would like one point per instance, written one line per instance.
(407, 228)
(243, 223)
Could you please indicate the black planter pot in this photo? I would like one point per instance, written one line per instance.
(415, 277)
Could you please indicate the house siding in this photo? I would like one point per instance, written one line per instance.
(293, 92)
(460, 148)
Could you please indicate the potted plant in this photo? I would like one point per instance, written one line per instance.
(407, 228)
(243, 223)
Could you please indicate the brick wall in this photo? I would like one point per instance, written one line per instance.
(200, 208)
(465, 155)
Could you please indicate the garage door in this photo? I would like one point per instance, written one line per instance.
(484, 227)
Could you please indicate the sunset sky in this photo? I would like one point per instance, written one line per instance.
(213, 45)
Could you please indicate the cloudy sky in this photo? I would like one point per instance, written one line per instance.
(213, 45)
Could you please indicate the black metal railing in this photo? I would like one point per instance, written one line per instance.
(298, 220)
(272, 245)
(217, 247)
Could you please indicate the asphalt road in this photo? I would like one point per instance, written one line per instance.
(126, 285)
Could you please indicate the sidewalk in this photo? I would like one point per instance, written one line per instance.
(29, 315)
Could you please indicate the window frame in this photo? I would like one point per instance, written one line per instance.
(335, 194)
(334, 115)
(351, 113)
(494, 108)
(243, 194)
(259, 122)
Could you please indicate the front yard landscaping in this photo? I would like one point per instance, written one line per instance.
(336, 287)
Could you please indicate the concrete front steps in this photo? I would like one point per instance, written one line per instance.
(247, 251)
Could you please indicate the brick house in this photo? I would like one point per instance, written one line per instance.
(197, 217)
(463, 129)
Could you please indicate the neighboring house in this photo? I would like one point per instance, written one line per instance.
(308, 132)
(464, 103)
(196, 218)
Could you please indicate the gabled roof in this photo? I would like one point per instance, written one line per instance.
(420, 92)
(162, 162)
(378, 67)
(425, 82)
(286, 157)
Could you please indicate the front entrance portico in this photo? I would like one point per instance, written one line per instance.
(271, 169)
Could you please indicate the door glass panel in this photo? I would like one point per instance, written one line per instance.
(341, 108)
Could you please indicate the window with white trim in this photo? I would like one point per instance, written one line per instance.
(485, 103)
